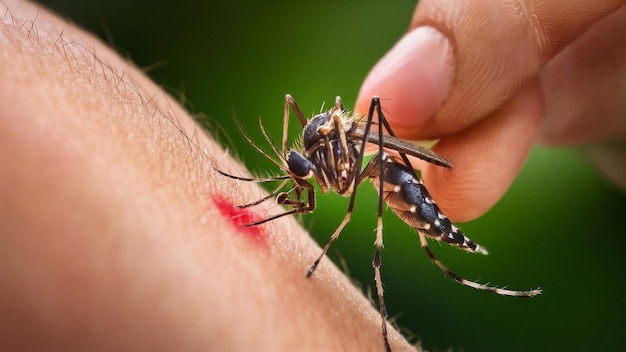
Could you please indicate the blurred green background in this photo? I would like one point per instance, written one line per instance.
(558, 227)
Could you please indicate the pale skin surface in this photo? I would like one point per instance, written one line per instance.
(109, 235)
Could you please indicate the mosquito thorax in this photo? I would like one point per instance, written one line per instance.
(310, 133)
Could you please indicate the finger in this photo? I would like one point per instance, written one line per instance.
(585, 91)
(486, 158)
(412, 80)
(481, 53)
(585, 87)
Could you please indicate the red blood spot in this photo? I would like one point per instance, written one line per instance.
(240, 217)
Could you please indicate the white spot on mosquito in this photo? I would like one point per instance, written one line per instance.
(441, 216)
(429, 200)
(437, 222)
(413, 209)
(480, 249)
(455, 229)
(397, 189)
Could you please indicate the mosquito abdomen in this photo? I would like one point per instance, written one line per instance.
(405, 194)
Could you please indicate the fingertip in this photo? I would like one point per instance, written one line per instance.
(412, 80)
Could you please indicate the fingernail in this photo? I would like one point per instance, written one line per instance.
(414, 78)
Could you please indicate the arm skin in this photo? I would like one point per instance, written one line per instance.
(110, 237)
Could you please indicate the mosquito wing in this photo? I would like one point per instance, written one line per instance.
(402, 146)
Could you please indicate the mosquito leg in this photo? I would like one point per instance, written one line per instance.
(290, 102)
(473, 284)
(300, 207)
(283, 144)
(379, 229)
(424, 243)
(332, 239)
(383, 121)
(269, 196)
(379, 284)
(286, 179)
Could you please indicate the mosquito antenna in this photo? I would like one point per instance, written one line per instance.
(269, 141)
(249, 140)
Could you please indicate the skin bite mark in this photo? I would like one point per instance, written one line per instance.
(239, 218)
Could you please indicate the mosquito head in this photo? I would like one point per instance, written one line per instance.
(331, 154)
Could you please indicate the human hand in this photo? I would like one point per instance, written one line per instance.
(488, 79)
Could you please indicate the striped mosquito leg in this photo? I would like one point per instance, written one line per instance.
(379, 227)
(379, 283)
(476, 285)
(332, 239)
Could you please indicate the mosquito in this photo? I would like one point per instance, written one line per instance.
(331, 154)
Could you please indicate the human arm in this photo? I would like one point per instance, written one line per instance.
(111, 234)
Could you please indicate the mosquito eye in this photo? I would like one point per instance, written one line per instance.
(298, 164)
